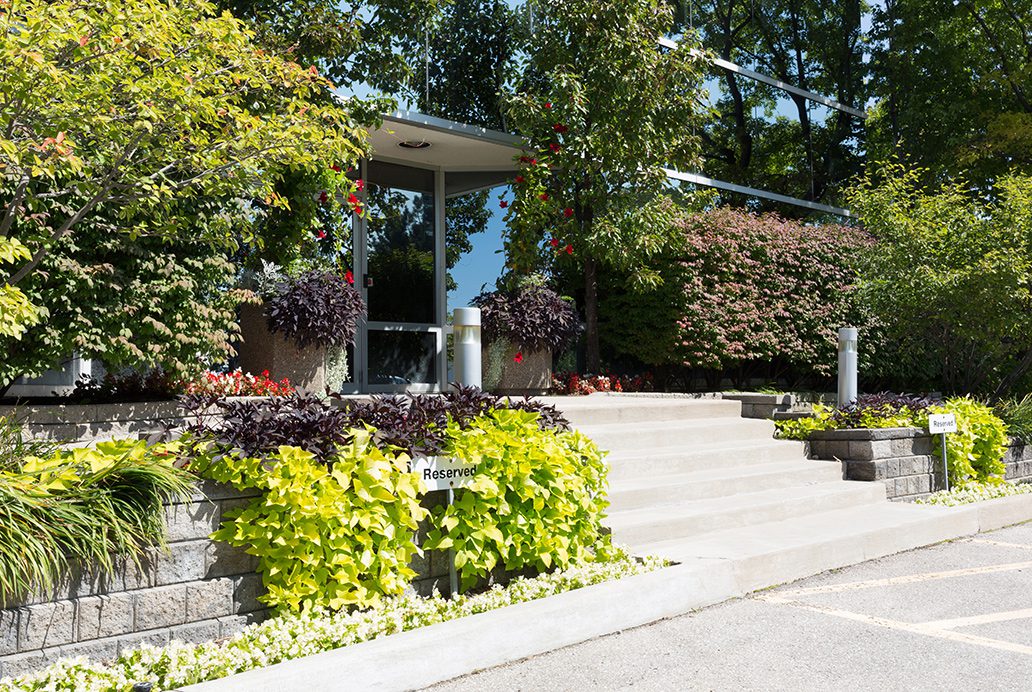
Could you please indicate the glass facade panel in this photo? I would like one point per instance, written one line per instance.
(402, 358)
(400, 244)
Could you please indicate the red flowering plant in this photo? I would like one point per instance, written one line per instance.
(237, 383)
(571, 383)
(591, 192)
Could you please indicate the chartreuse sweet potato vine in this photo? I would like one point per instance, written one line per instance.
(974, 453)
(537, 500)
(339, 532)
(333, 536)
(89, 505)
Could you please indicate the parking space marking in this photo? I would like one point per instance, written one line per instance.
(1002, 616)
(1002, 544)
(893, 581)
(924, 629)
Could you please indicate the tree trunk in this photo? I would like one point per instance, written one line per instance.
(593, 355)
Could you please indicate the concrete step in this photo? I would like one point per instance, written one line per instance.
(661, 489)
(664, 522)
(645, 436)
(682, 459)
(782, 551)
(600, 409)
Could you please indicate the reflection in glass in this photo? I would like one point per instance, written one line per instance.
(402, 358)
(400, 242)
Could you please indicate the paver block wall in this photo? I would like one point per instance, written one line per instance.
(199, 590)
(81, 424)
(759, 405)
(901, 458)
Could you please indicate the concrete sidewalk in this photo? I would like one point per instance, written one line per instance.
(447, 650)
(951, 616)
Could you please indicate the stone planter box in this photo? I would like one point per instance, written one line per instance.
(198, 591)
(503, 375)
(86, 423)
(262, 350)
(901, 458)
(757, 405)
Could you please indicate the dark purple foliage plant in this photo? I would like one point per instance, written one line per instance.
(532, 317)
(317, 308)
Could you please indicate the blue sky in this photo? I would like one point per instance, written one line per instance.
(483, 265)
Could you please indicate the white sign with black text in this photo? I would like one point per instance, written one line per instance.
(940, 423)
(444, 473)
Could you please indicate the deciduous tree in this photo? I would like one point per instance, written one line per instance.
(604, 109)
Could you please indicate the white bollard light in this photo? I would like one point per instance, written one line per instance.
(847, 365)
(466, 335)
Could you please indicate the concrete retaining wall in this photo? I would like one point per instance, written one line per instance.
(901, 458)
(198, 591)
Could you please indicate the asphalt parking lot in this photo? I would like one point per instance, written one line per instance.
(954, 616)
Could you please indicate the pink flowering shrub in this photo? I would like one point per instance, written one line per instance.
(743, 288)
(238, 383)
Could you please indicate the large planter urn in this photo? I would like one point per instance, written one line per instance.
(264, 350)
(510, 371)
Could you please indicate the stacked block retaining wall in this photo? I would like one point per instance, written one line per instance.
(198, 590)
(901, 458)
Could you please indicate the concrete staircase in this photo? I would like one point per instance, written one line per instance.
(693, 481)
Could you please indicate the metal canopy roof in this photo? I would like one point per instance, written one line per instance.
(476, 158)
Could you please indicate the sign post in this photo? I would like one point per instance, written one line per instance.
(446, 473)
(940, 424)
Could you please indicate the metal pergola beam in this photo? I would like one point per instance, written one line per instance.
(756, 76)
(697, 179)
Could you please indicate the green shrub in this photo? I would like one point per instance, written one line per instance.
(326, 536)
(1017, 414)
(975, 452)
(537, 500)
(87, 505)
(802, 428)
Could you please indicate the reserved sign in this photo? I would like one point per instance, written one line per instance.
(940, 423)
(444, 473)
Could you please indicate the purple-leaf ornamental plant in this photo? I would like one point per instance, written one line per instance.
(316, 308)
(532, 317)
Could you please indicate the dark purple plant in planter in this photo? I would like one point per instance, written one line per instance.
(315, 309)
(532, 317)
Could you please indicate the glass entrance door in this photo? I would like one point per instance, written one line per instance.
(400, 266)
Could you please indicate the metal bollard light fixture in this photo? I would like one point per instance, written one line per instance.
(466, 334)
(847, 365)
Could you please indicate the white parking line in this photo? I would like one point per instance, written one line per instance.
(924, 629)
(1002, 616)
(892, 581)
(1002, 544)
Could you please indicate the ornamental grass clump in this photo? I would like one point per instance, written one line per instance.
(85, 505)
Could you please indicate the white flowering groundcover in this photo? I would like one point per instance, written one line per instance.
(975, 493)
(293, 636)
